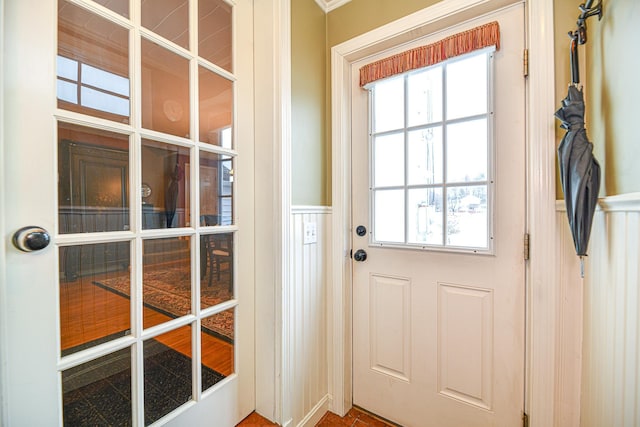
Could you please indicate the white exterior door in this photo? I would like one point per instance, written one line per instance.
(128, 136)
(439, 302)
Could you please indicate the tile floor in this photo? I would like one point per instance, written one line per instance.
(354, 418)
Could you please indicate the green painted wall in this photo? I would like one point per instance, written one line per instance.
(608, 71)
(310, 158)
(312, 32)
(312, 36)
(360, 16)
(355, 18)
(612, 90)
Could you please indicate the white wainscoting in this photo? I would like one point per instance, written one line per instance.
(611, 349)
(309, 279)
(598, 351)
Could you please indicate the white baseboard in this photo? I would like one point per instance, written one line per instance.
(316, 414)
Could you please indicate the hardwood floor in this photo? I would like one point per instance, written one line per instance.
(354, 418)
(89, 312)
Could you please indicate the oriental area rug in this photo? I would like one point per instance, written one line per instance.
(168, 291)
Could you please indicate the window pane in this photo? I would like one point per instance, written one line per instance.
(168, 18)
(167, 373)
(388, 100)
(98, 392)
(91, 40)
(68, 91)
(104, 80)
(104, 102)
(164, 169)
(467, 151)
(93, 180)
(226, 138)
(425, 216)
(216, 189)
(67, 68)
(467, 87)
(166, 279)
(425, 97)
(389, 216)
(388, 160)
(425, 159)
(216, 335)
(92, 309)
(216, 269)
(421, 168)
(165, 90)
(467, 224)
(216, 107)
(214, 32)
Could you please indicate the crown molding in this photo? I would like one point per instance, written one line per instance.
(329, 5)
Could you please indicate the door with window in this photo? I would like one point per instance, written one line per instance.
(438, 223)
(127, 135)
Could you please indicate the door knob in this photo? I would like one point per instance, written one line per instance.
(31, 238)
(361, 230)
(360, 255)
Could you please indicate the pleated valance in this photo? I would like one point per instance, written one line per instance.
(423, 56)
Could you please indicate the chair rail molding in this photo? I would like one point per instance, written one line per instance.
(303, 209)
(542, 294)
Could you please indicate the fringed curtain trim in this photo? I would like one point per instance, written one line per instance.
(423, 56)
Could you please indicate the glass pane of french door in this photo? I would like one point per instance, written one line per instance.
(146, 288)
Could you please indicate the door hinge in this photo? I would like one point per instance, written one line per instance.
(525, 62)
(526, 246)
(525, 420)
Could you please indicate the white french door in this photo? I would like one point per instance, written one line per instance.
(128, 142)
(439, 299)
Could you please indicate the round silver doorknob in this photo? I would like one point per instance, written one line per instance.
(31, 238)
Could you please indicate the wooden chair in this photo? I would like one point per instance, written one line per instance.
(221, 252)
(216, 249)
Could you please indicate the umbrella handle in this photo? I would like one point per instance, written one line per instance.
(579, 36)
(573, 58)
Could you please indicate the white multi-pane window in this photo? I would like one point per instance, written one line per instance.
(431, 156)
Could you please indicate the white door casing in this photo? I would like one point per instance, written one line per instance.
(438, 337)
(30, 328)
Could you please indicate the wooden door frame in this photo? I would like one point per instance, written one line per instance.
(542, 292)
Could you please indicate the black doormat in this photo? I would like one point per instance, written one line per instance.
(98, 393)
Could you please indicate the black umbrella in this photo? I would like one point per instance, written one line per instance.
(579, 170)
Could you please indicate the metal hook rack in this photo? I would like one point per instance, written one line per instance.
(579, 35)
